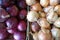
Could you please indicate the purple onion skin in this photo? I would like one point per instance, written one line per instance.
(3, 34)
(3, 15)
(22, 4)
(2, 26)
(12, 23)
(22, 26)
(35, 27)
(22, 14)
(13, 10)
(19, 36)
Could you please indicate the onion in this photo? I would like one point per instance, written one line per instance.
(57, 9)
(35, 35)
(55, 32)
(36, 7)
(19, 36)
(32, 16)
(3, 15)
(43, 23)
(51, 17)
(3, 34)
(35, 27)
(42, 14)
(48, 9)
(44, 35)
(57, 23)
(22, 26)
(44, 3)
(30, 2)
(54, 2)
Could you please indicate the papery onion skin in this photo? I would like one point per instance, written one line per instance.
(31, 2)
(43, 22)
(32, 16)
(44, 3)
(36, 7)
(55, 32)
(54, 2)
(57, 23)
(57, 9)
(45, 35)
(51, 17)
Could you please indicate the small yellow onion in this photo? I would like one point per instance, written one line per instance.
(31, 2)
(48, 9)
(35, 35)
(54, 2)
(51, 17)
(32, 16)
(36, 7)
(44, 3)
(43, 23)
(55, 32)
(57, 9)
(44, 35)
(57, 23)
(42, 14)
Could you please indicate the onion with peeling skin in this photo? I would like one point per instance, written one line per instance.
(44, 3)
(32, 16)
(55, 32)
(57, 9)
(44, 35)
(54, 2)
(36, 7)
(43, 23)
(31, 2)
(48, 9)
(57, 23)
(51, 17)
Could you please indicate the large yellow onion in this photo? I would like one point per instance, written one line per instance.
(55, 32)
(44, 3)
(51, 17)
(48, 9)
(43, 23)
(30, 2)
(54, 2)
(57, 9)
(44, 35)
(32, 16)
(36, 7)
(57, 23)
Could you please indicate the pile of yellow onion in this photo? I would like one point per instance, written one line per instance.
(44, 16)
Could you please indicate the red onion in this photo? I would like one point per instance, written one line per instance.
(22, 26)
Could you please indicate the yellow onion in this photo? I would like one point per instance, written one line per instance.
(54, 2)
(36, 7)
(35, 35)
(43, 23)
(45, 35)
(55, 32)
(30, 2)
(57, 9)
(32, 16)
(42, 14)
(57, 23)
(44, 3)
(51, 17)
(48, 9)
